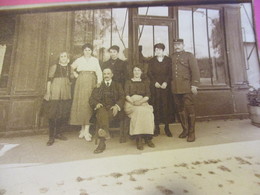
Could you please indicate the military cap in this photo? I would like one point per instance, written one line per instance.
(178, 41)
(114, 47)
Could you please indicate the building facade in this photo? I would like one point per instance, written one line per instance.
(30, 44)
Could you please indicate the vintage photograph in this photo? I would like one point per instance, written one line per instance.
(135, 97)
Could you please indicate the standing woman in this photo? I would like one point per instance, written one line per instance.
(138, 110)
(159, 73)
(89, 75)
(56, 106)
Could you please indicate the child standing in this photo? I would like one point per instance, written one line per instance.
(57, 104)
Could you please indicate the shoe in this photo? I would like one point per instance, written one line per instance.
(61, 137)
(101, 147)
(167, 131)
(88, 137)
(81, 133)
(139, 143)
(150, 143)
(50, 142)
(183, 134)
(191, 137)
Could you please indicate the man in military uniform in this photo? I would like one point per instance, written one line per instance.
(185, 81)
(118, 66)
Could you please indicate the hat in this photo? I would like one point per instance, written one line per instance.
(114, 47)
(178, 41)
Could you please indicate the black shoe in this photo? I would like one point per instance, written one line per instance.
(101, 147)
(150, 143)
(156, 130)
(167, 131)
(50, 142)
(61, 137)
(183, 134)
(139, 143)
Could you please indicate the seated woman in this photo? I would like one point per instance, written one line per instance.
(138, 110)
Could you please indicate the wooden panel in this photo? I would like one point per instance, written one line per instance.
(3, 115)
(234, 42)
(23, 115)
(30, 47)
(219, 102)
(59, 34)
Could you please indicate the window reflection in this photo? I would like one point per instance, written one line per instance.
(185, 28)
(7, 30)
(103, 28)
(203, 27)
(153, 11)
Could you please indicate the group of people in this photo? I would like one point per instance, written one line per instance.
(110, 92)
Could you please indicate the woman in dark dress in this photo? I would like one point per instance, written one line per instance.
(159, 73)
(57, 102)
(138, 110)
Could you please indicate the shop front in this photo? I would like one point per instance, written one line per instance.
(31, 42)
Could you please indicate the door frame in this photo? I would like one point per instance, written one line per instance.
(153, 20)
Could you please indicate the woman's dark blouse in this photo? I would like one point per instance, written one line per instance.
(59, 71)
(137, 88)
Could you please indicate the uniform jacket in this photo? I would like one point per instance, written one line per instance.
(185, 72)
(119, 69)
(118, 95)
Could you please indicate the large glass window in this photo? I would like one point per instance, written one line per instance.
(153, 11)
(202, 32)
(103, 28)
(7, 29)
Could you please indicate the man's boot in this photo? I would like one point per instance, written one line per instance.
(191, 134)
(148, 141)
(167, 130)
(156, 130)
(184, 124)
(101, 146)
(139, 143)
(51, 132)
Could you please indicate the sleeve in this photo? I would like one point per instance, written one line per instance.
(147, 89)
(52, 72)
(127, 88)
(150, 72)
(75, 64)
(94, 98)
(169, 71)
(126, 75)
(98, 72)
(121, 97)
(195, 73)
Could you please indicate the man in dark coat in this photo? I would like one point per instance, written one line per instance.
(107, 101)
(118, 66)
(159, 73)
(185, 81)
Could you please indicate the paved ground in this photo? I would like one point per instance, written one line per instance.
(225, 159)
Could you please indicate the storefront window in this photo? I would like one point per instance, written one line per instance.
(153, 11)
(103, 28)
(7, 24)
(203, 36)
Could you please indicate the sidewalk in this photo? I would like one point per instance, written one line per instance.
(224, 159)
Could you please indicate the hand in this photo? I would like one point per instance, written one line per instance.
(98, 106)
(47, 96)
(114, 110)
(75, 74)
(98, 85)
(157, 85)
(164, 85)
(194, 90)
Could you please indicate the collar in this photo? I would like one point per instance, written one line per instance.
(110, 81)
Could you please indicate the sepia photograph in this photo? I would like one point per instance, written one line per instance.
(130, 97)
